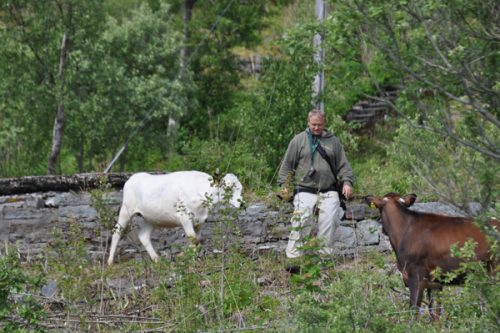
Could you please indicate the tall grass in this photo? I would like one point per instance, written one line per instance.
(198, 291)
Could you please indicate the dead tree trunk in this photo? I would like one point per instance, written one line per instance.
(59, 119)
(79, 182)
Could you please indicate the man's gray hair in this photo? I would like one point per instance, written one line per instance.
(316, 112)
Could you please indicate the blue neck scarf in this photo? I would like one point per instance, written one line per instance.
(313, 143)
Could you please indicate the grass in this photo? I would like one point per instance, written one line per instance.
(198, 291)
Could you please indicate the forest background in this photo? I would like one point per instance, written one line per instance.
(165, 81)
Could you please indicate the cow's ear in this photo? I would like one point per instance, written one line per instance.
(409, 199)
(374, 202)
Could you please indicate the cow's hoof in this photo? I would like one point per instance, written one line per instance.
(293, 268)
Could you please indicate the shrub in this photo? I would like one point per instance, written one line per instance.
(19, 310)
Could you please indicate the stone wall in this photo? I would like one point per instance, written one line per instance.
(33, 220)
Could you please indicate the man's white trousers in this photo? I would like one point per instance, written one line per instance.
(327, 206)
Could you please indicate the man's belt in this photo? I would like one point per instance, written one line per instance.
(312, 190)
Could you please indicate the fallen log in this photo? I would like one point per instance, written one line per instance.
(78, 182)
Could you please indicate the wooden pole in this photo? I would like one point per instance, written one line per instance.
(319, 55)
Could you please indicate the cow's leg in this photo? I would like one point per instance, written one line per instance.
(431, 285)
(435, 312)
(188, 226)
(416, 289)
(197, 228)
(145, 238)
(123, 219)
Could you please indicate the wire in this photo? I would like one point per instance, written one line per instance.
(149, 114)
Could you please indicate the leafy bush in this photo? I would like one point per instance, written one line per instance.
(354, 299)
(20, 311)
(375, 169)
(477, 300)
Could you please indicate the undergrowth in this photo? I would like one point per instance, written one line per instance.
(201, 291)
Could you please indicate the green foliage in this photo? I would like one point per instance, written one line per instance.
(311, 267)
(100, 201)
(453, 172)
(217, 27)
(122, 81)
(229, 290)
(34, 31)
(379, 177)
(420, 46)
(20, 310)
(376, 171)
(353, 299)
(284, 98)
(442, 60)
(123, 69)
(70, 262)
(221, 290)
(218, 290)
(135, 82)
(119, 74)
(219, 157)
(479, 296)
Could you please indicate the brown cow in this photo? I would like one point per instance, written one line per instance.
(422, 242)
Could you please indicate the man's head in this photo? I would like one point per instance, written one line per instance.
(316, 121)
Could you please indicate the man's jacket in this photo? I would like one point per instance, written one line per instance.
(297, 163)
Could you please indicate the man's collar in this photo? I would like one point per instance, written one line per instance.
(308, 130)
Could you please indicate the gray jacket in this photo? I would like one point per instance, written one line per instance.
(297, 163)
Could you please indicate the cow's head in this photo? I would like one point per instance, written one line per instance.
(375, 202)
(231, 183)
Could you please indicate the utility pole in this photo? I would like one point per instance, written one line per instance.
(319, 56)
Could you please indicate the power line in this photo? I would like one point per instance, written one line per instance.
(182, 69)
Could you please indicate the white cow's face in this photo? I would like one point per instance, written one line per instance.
(232, 182)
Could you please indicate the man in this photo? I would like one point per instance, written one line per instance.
(314, 182)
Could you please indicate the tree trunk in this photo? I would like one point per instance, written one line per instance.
(59, 120)
(188, 13)
(80, 156)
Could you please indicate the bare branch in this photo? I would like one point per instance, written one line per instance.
(434, 45)
(487, 152)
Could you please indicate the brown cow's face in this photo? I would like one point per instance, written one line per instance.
(375, 202)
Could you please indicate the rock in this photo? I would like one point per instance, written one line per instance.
(49, 290)
(368, 232)
(31, 221)
(355, 212)
(438, 208)
(344, 237)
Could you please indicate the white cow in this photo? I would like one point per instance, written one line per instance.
(177, 199)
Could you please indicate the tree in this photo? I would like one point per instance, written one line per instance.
(133, 89)
(42, 36)
(442, 56)
(212, 31)
(110, 78)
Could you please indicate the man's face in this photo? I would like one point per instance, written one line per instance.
(316, 124)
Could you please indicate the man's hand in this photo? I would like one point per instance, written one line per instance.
(347, 191)
(285, 194)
